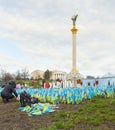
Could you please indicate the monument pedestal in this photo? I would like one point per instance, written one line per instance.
(74, 77)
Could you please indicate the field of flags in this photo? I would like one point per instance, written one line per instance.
(50, 97)
(38, 109)
(69, 95)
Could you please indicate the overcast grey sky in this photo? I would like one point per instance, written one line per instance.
(36, 34)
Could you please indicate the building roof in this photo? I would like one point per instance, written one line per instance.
(108, 75)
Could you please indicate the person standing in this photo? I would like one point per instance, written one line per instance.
(32, 82)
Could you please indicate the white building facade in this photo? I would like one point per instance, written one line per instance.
(54, 75)
(58, 75)
(37, 74)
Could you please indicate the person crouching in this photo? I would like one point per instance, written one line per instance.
(9, 92)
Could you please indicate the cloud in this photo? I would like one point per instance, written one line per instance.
(41, 31)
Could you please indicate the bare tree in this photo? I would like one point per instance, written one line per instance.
(25, 74)
(18, 75)
(3, 74)
(6, 76)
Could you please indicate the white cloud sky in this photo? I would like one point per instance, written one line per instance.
(36, 34)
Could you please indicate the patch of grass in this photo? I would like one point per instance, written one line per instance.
(94, 112)
(53, 128)
(63, 114)
(56, 126)
(78, 119)
(94, 120)
(69, 125)
(59, 125)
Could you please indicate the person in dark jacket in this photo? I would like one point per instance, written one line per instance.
(9, 92)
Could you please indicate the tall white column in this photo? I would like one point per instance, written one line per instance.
(74, 31)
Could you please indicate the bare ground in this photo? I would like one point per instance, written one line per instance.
(12, 119)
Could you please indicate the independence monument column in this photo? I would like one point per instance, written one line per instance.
(74, 32)
(74, 76)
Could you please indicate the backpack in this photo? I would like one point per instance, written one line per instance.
(26, 99)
